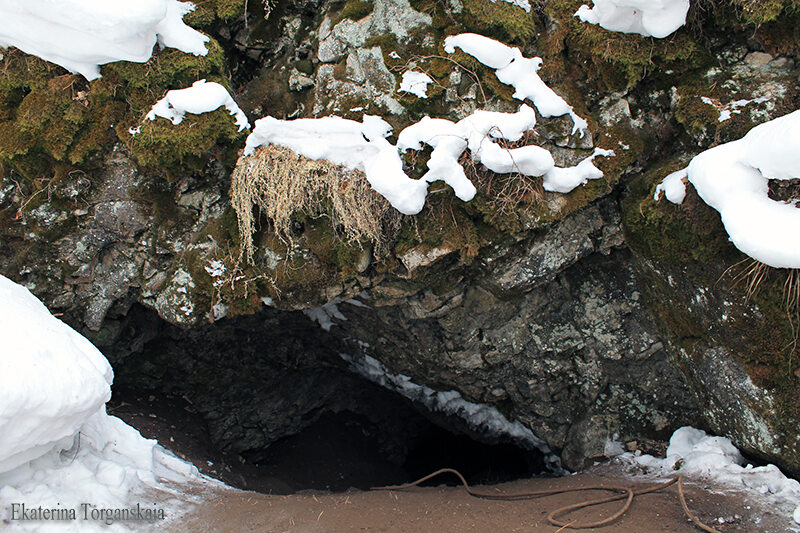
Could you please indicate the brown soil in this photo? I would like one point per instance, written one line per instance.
(449, 509)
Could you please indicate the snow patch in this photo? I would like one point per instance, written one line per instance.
(517, 71)
(697, 455)
(58, 447)
(726, 111)
(733, 178)
(651, 18)
(415, 83)
(484, 419)
(201, 97)
(81, 35)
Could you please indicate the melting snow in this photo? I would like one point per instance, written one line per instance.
(697, 455)
(58, 447)
(482, 418)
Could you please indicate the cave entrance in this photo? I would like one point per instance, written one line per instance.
(266, 403)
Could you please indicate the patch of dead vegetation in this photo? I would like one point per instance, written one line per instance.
(283, 185)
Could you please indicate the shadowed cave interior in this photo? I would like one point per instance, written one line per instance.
(265, 403)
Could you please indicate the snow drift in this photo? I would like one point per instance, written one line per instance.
(733, 178)
(651, 18)
(58, 447)
(82, 35)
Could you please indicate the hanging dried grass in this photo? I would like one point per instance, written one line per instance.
(280, 183)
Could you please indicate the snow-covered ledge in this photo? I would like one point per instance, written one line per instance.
(733, 178)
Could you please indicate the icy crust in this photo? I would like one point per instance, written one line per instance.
(81, 35)
(51, 378)
(517, 71)
(484, 419)
(651, 18)
(108, 464)
(201, 97)
(58, 447)
(697, 455)
(733, 178)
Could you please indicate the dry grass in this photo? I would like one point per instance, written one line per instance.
(752, 274)
(281, 183)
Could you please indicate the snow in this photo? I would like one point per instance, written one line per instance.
(350, 144)
(363, 146)
(564, 180)
(484, 419)
(81, 35)
(201, 97)
(325, 314)
(58, 447)
(700, 456)
(673, 187)
(49, 387)
(651, 18)
(415, 83)
(524, 4)
(733, 108)
(517, 71)
(733, 178)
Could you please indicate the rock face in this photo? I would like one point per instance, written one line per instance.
(583, 316)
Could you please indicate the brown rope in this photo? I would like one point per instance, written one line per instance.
(623, 493)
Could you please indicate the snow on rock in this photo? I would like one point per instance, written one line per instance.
(651, 18)
(415, 83)
(564, 180)
(58, 447)
(201, 97)
(363, 146)
(733, 178)
(673, 187)
(351, 144)
(520, 72)
(81, 35)
(697, 455)
(484, 419)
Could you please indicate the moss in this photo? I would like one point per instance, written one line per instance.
(207, 13)
(673, 234)
(47, 116)
(180, 148)
(617, 61)
(356, 9)
(500, 20)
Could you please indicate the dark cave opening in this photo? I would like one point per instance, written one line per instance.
(267, 403)
(335, 452)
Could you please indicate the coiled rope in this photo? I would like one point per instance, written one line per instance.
(622, 493)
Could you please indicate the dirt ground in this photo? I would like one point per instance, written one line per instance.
(277, 508)
(446, 509)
